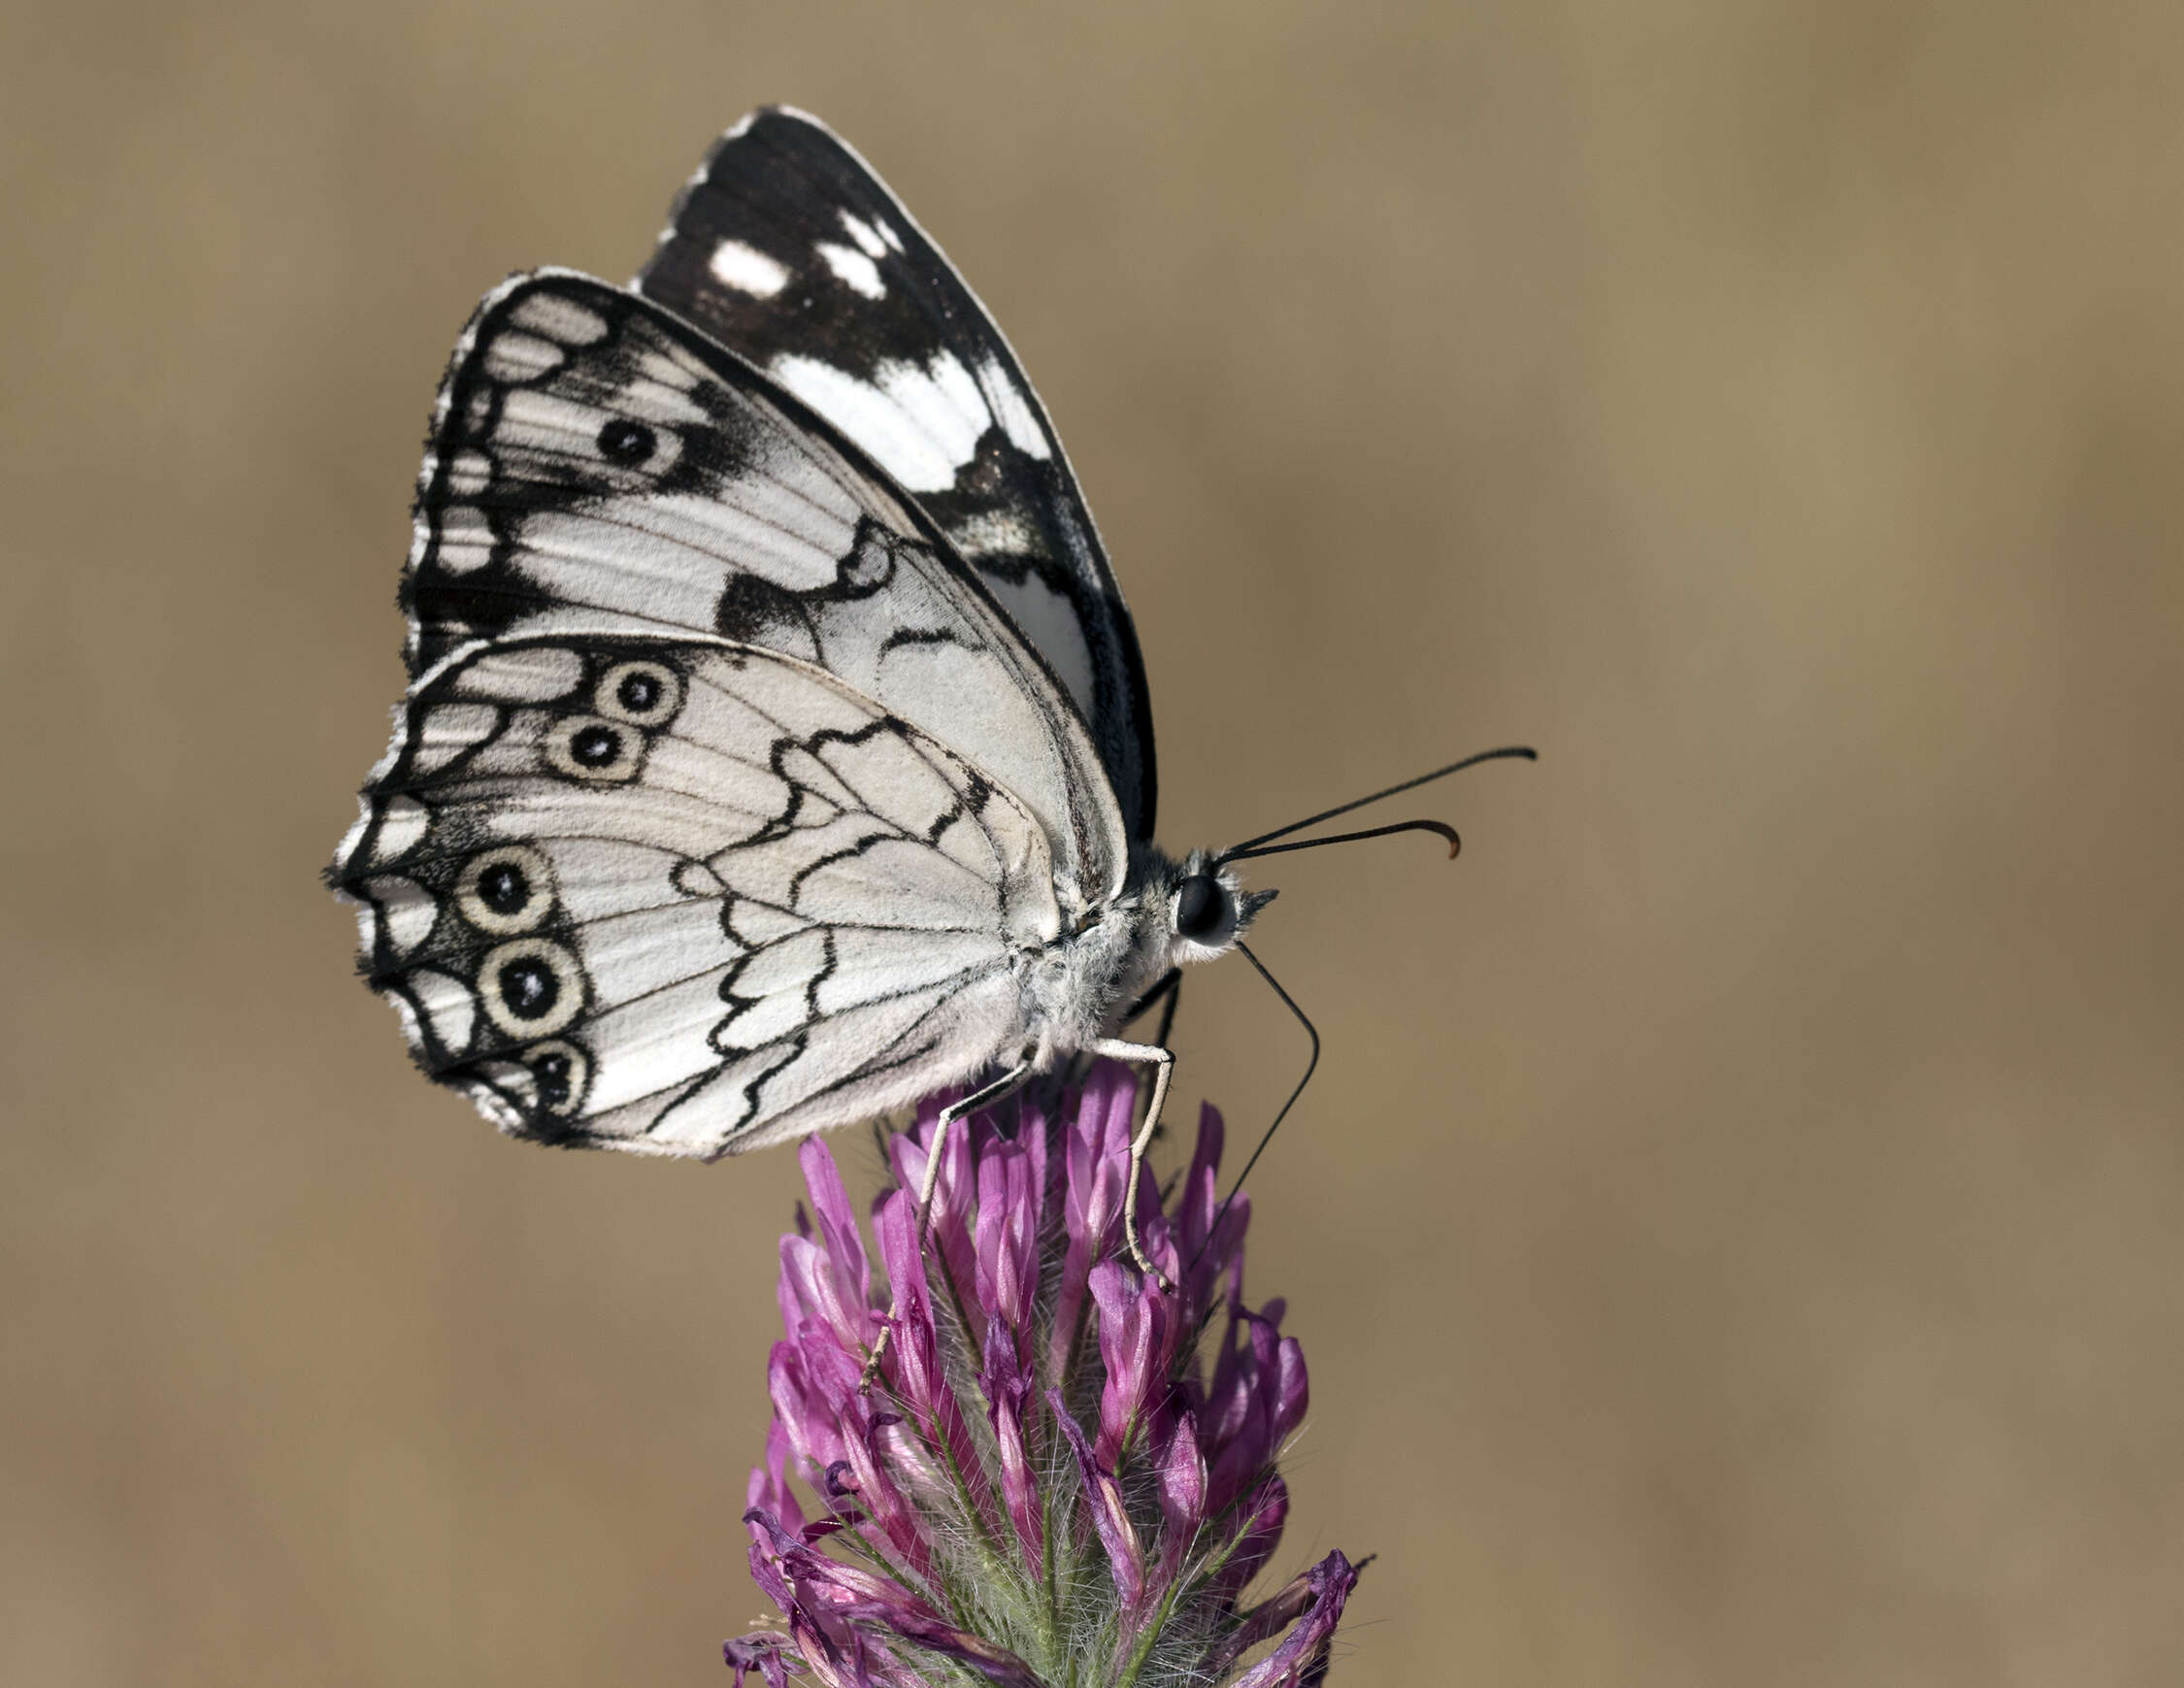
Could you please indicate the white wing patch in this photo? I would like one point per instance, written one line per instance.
(687, 896)
(855, 270)
(563, 320)
(921, 422)
(740, 265)
(872, 242)
(922, 425)
(1013, 409)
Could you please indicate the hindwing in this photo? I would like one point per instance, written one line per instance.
(686, 897)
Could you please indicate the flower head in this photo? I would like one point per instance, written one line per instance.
(1053, 1479)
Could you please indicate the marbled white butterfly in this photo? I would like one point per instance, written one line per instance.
(777, 748)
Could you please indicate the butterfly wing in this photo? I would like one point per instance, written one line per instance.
(788, 248)
(598, 465)
(686, 897)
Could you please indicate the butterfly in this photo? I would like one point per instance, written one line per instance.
(777, 750)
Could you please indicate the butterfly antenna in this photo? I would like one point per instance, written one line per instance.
(1455, 843)
(1310, 1030)
(1250, 845)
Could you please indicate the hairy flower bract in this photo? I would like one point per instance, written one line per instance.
(1063, 1477)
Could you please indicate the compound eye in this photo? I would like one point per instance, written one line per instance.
(1202, 907)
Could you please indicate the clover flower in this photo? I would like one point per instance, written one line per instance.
(1045, 1486)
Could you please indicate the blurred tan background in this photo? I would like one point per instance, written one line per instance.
(1739, 1227)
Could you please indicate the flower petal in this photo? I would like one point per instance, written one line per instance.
(1095, 1157)
(1208, 1232)
(808, 1275)
(1255, 1385)
(1126, 1557)
(1183, 1497)
(1135, 1336)
(1006, 1271)
(768, 1483)
(837, 1225)
(1009, 1387)
(765, 1652)
(1301, 1658)
(832, 1381)
(948, 1224)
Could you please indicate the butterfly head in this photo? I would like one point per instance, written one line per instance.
(1207, 909)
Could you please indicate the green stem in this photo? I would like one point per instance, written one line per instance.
(1050, 1615)
(1147, 1635)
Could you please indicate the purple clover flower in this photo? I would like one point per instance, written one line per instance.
(1046, 1487)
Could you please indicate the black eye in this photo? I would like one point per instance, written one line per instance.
(1202, 907)
(595, 746)
(623, 441)
(639, 692)
(529, 989)
(503, 888)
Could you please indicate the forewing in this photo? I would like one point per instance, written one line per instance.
(686, 897)
(790, 251)
(596, 464)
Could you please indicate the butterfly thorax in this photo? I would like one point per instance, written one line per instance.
(1169, 913)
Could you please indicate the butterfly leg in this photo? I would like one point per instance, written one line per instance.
(1000, 1090)
(1169, 989)
(1163, 1062)
(1175, 1001)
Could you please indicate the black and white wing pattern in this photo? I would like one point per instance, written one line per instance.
(787, 248)
(686, 896)
(596, 465)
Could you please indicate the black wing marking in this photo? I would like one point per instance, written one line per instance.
(788, 248)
